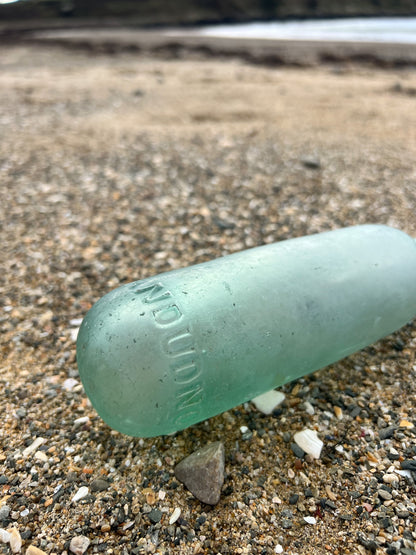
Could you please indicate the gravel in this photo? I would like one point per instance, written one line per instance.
(100, 187)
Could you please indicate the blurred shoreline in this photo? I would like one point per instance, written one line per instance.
(114, 39)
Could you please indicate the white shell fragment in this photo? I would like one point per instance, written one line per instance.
(309, 441)
(174, 516)
(269, 401)
(82, 492)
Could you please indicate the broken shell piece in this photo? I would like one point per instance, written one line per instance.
(269, 401)
(309, 441)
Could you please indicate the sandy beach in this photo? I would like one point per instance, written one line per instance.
(116, 165)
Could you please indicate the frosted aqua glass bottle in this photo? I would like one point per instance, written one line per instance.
(160, 354)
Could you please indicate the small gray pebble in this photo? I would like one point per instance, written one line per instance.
(99, 485)
(386, 433)
(287, 513)
(298, 451)
(286, 523)
(4, 512)
(384, 494)
(154, 516)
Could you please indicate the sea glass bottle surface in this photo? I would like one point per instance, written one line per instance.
(160, 354)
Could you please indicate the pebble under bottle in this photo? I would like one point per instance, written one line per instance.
(160, 354)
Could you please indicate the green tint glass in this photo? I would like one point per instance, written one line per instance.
(160, 354)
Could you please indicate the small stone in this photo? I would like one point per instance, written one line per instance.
(79, 545)
(203, 472)
(384, 494)
(278, 548)
(308, 441)
(33, 447)
(406, 424)
(308, 408)
(40, 456)
(386, 433)
(269, 401)
(286, 523)
(32, 550)
(69, 384)
(15, 540)
(385, 522)
(409, 464)
(99, 485)
(309, 519)
(174, 516)
(311, 162)
(154, 516)
(80, 494)
(338, 412)
(293, 499)
(390, 478)
(81, 420)
(4, 535)
(3, 479)
(297, 451)
(4, 512)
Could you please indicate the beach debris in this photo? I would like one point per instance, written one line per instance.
(268, 402)
(174, 516)
(309, 441)
(202, 472)
(79, 545)
(80, 494)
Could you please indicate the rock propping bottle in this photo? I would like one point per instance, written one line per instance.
(160, 354)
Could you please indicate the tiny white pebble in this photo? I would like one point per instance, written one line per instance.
(269, 401)
(75, 322)
(80, 494)
(25, 512)
(290, 474)
(41, 456)
(162, 494)
(4, 535)
(243, 429)
(308, 408)
(309, 519)
(69, 384)
(81, 420)
(276, 500)
(74, 334)
(174, 516)
(278, 548)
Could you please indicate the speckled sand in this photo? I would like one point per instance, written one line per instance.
(114, 168)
